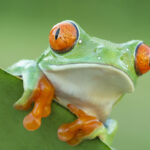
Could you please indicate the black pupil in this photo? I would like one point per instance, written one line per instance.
(57, 33)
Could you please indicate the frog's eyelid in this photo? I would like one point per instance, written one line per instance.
(76, 30)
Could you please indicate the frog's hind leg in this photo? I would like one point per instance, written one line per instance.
(85, 127)
(37, 90)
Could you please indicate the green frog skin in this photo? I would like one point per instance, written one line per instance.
(87, 75)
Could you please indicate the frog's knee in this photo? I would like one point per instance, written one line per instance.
(107, 134)
(111, 126)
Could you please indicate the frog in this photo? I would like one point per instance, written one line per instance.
(86, 75)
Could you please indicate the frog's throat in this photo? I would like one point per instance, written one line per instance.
(112, 71)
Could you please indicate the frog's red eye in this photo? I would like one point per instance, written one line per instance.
(63, 36)
(142, 59)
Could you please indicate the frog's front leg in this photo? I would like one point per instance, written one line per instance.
(37, 90)
(86, 127)
(42, 98)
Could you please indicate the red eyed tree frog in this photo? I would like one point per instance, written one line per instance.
(87, 75)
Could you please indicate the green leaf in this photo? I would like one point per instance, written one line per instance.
(13, 136)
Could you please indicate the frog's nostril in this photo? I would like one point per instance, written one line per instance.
(142, 59)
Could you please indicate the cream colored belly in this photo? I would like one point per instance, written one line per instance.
(94, 89)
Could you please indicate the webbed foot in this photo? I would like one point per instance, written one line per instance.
(74, 132)
(42, 98)
(85, 127)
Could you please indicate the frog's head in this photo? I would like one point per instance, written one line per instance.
(71, 47)
(71, 44)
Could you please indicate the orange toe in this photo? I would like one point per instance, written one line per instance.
(74, 132)
(46, 111)
(67, 131)
(31, 123)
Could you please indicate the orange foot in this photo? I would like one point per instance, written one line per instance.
(42, 98)
(74, 132)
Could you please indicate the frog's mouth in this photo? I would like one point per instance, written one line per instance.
(86, 73)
